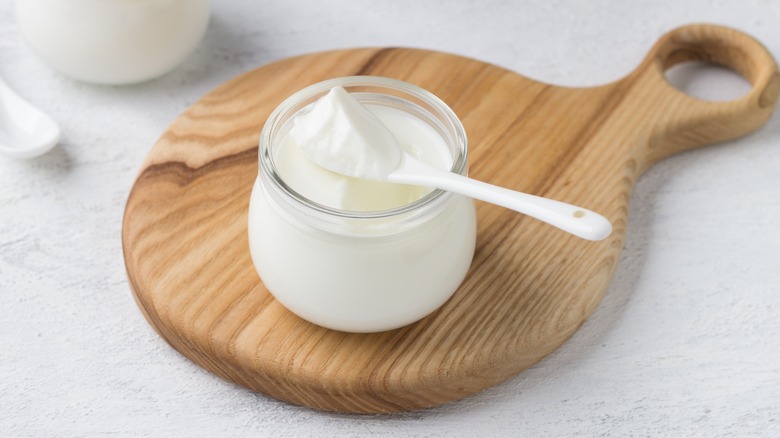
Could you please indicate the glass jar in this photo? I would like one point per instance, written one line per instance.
(113, 41)
(361, 271)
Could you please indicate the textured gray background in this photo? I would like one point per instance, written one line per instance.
(686, 341)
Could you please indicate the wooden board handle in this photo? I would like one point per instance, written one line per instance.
(689, 122)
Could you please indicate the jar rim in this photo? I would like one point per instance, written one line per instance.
(459, 162)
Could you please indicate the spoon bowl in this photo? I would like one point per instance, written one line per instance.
(25, 131)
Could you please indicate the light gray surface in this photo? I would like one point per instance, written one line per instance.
(686, 341)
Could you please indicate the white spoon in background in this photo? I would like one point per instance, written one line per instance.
(25, 131)
(341, 135)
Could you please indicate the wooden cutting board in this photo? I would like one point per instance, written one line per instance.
(530, 286)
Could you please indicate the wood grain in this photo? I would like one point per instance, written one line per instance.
(530, 286)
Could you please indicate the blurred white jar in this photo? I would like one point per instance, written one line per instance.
(113, 41)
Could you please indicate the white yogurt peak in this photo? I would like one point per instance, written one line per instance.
(352, 127)
(341, 135)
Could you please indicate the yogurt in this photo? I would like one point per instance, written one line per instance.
(347, 253)
(361, 140)
(342, 135)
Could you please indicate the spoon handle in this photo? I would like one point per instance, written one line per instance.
(570, 218)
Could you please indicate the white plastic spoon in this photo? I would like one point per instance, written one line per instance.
(575, 220)
(341, 135)
(25, 131)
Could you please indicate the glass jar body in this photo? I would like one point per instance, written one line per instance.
(361, 271)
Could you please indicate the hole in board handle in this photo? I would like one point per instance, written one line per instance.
(707, 81)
